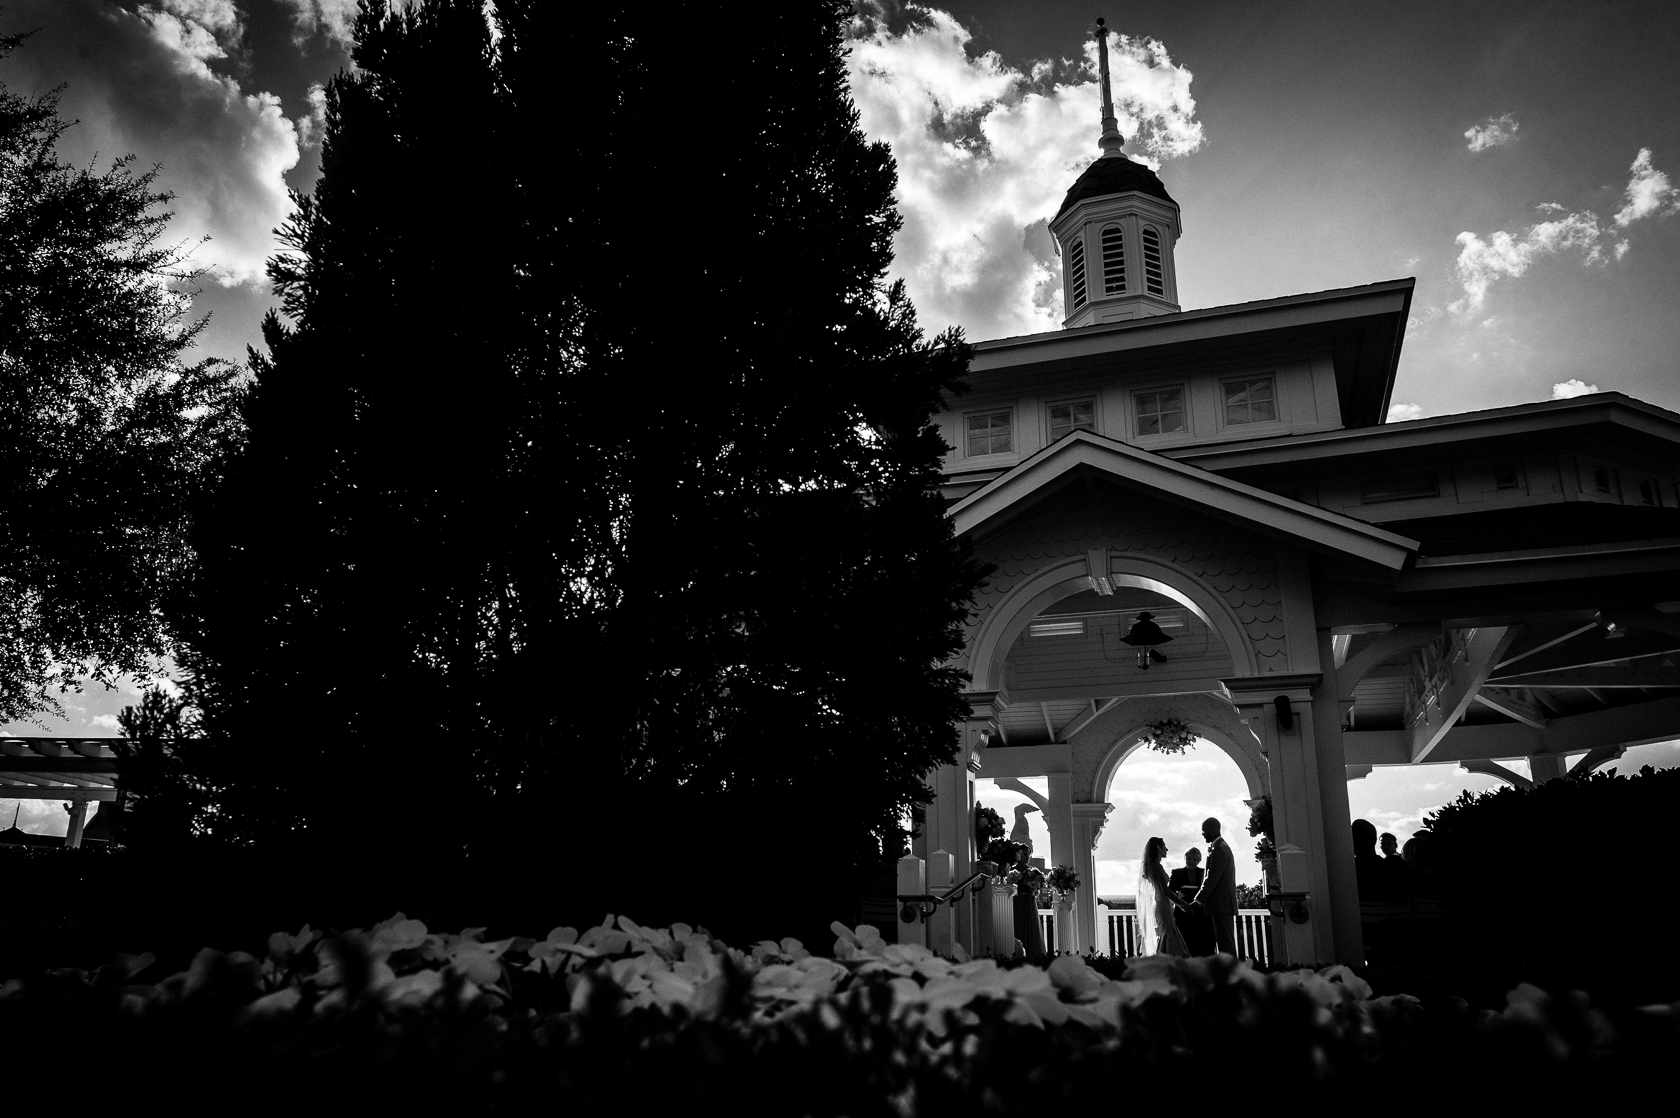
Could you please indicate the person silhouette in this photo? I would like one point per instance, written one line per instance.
(1157, 931)
(1367, 865)
(1397, 874)
(1194, 926)
(1218, 895)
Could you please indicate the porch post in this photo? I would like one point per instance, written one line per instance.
(78, 822)
(1297, 809)
(1347, 934)
(1088, 820)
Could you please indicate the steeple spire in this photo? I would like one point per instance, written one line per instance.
(1111, 139)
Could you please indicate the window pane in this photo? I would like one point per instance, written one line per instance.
(1160, 412)
(1249, 401)
(988, 433)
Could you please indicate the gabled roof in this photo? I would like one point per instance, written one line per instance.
(1082, 452)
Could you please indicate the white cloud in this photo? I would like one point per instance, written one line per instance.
(336, 19)
(104, 721)
(313, 126)
(986, 152)
(1648, 192)
(1400, 413)
(140, 81)
(1569, 389)
(1497, 132)
(1482, 262)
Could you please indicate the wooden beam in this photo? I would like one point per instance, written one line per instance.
(1602, 755)
(1044, 709)
(69, 795)
(1646, 672)
(1553, 643)
(1511, 706)
(1402, 638)
(57, 764)
(1086, 719)
(1464, 678)
(1495, 769)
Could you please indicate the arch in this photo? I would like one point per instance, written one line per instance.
(1029, 598)
(1249, 762)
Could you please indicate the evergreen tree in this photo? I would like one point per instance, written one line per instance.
(105, 433)
(597, 463)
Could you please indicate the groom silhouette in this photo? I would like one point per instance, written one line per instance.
(1218, 894)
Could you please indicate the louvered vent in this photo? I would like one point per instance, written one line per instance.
(1153, 279)
(1114, 260)
(1076, 274)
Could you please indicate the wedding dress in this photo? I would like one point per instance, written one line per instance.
(1157, 931)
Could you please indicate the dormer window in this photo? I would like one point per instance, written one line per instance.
(1076, 273)
(1154, 279)
(989, 433)
(1114, 260)
(1253, 400)
(1068, 418)
(1160, 412)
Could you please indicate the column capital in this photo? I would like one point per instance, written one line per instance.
(1091, 816)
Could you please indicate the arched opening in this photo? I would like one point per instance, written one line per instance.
(1076, 275)
(1114, 260)
(1009, 618)
(1168, 795)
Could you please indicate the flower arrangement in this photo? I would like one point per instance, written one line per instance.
(1260, 825)
(1170, 735)
(642, 1020)
(1002, 853)
(1029, 877)
(988, 827)
(1063, 879)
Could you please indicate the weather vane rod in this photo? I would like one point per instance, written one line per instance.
(1111, 139)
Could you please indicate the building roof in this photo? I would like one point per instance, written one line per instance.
(1610, 417)
(1361, 327)
(1113, 175)
(1537, 526)
(1256, 509)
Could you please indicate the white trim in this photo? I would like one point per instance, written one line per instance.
(1210, 493)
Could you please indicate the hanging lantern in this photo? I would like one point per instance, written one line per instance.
(1144, 635)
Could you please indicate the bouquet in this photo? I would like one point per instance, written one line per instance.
(1170, 735)
(1063, 879)
(988, 826)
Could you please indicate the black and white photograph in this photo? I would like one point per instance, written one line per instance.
(839, 557)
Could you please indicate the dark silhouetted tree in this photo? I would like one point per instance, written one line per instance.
(596, 477)
(105, 433)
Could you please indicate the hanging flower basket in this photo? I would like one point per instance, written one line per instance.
(1170, 735)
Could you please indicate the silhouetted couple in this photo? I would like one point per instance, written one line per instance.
(1383, 878)
(1215, 900)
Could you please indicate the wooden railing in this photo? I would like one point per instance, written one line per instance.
(1117, 932)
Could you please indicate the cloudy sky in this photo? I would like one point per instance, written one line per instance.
(1520, 159)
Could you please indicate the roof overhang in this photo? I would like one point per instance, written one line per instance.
(1610, 418)
(1361, 327)
(1083, 454)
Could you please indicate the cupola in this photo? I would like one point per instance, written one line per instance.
(1116, 231)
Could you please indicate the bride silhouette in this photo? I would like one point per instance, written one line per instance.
(1157, 932)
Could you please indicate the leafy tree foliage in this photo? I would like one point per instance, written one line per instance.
(596, 459)
(105, 434)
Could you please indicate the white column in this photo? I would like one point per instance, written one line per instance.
(78, 821)
(1067, 924)
(941, 926)
(1297, 810)
(912, 882)
(1001, 897)
(1087, 823)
